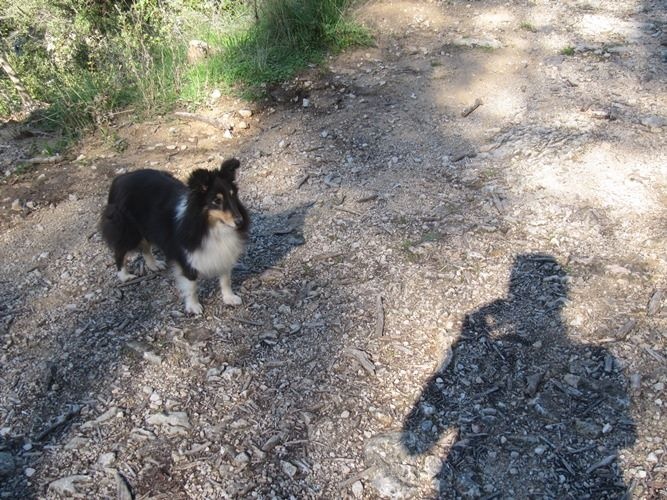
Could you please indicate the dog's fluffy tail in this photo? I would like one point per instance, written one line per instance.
(112, 223)
(118, 231)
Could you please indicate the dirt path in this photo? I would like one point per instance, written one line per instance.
(470, 305)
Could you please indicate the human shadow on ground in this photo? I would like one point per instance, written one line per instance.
(529, 412)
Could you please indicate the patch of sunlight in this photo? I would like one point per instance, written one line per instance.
(397, 16)
(495, 19)
(553, 43)
(606, 177)
(595, 25)
(497, 82)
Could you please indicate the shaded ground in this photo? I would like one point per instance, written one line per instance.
(391, 248)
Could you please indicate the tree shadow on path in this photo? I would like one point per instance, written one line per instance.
(517, 408)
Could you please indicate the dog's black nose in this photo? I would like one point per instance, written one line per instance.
(238, 221)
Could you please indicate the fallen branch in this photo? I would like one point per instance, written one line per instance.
(302, 181)
(379, 312)
(59, 422)
(42, 159)
(356, 477)
(123, 488)
(348, 211)
(367, 198)
(211, 121)
(362, 357)
(478, 102)
(134, 281)
(602, 463)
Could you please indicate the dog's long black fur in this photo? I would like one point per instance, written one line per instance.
(150, 207)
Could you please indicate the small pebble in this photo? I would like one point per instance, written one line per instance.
(357, 489)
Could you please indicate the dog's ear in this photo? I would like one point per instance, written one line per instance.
(200, 180)
(228, 169)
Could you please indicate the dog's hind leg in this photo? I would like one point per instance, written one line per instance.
(228, 296)
(188, 290)
(121, 264)
(121, 236)
(151, 262)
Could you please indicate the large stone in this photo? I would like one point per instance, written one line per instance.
(198, 50)
(7, 464)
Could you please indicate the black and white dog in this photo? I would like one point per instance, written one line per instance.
(201, 228)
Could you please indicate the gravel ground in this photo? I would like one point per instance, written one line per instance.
(441, 299)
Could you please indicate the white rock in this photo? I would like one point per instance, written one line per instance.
(572, 380)
(107, 415)
(490, 43)
(67, 485)
(242, 458)
(176, 422)
(76, 442)
(288, 468)
(16, 205)
(106, 459)
(653, 121)
(357, 489)
(216, 94)
(245, 113)
(29, 472)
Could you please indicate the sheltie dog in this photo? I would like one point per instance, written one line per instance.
(201, 227)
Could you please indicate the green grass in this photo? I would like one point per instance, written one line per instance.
(140, 61)
(290, 36)
(526, 26)
(430, 236)
(567, 51)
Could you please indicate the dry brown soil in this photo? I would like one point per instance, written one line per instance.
(434, 304)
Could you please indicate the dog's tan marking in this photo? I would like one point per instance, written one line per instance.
(222, 216)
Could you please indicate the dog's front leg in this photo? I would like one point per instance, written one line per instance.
(188, 290)
(228, 296)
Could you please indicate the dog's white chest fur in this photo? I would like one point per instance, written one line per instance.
(219, 251)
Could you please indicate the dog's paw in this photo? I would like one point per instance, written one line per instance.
(156, 265)
(193, 308)
(232, 299)
(124, 276)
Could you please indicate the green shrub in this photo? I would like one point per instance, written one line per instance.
(86, 58)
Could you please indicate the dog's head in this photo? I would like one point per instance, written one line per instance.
(216, 194)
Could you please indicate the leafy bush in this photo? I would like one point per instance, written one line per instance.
(86, 58)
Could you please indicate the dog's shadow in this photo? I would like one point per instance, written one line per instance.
(271, 238)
